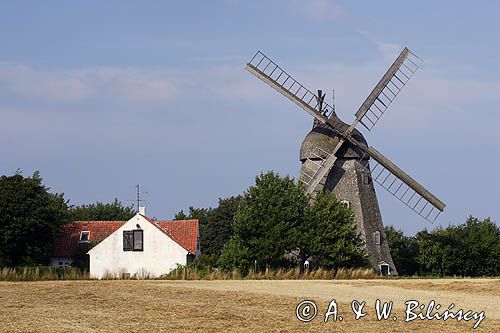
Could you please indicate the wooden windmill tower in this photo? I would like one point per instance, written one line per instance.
(335, 156)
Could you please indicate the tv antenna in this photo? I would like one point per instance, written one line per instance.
(139, 196)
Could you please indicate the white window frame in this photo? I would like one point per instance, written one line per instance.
(377, 237)
(81, 235)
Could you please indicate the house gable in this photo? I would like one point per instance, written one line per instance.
(138, 222)
(184, 232)
(160, 253)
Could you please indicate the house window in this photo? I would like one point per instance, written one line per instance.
(376, 237)
(128, 241)
(85, 236)
(133, 240)
(138, 240)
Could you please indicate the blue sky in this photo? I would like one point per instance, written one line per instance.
(100, 97)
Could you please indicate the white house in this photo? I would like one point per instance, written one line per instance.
(139, 246)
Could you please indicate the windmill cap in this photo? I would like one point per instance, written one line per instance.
(321, 140)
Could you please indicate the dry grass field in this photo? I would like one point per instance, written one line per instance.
(235, 306)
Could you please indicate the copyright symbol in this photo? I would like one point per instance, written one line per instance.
(306, 311)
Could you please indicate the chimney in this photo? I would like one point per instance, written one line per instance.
(142, 211)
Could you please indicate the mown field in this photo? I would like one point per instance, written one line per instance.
(236, 305)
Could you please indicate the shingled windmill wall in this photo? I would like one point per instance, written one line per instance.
(349, 181)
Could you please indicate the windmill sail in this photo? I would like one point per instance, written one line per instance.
(324, 168)
(387, 89)
(390, 177)
(385, 173)
(320, 155)
(269, 72)
(402, 186)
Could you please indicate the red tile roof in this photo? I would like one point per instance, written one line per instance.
(184, 232)
(67, 241)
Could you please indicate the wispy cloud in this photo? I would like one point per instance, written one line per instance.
(388, 50)
(133, 84)
(430, 93)
(28, 82)
(74, 85)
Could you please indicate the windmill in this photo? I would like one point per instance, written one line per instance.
(335, 156)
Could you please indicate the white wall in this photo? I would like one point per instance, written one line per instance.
(161, 254)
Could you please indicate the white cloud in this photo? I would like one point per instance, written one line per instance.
(388, 50)
(139, 85)
(430, 94)
(28, 82)
(134, 84)
(75, 85)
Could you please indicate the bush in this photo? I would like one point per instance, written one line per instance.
(235, 256)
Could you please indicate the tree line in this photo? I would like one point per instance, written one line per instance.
(468, 249)
(31, 218)
(273, 224)
(253, 227)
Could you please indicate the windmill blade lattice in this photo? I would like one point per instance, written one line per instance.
(386, 90)
(268, 71)
(402, 186)
(320, 156)
(388, 175)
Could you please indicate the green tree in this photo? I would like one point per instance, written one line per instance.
(481, 247)
(30, 219)
(218, 228)
(275, 217)
(215, 227)
(180, 216)
(468, 249)
(200, 214)
(99, 211)
(235, 255)
(439, 252)
(404, 251)
(268, 216)
(329, 234)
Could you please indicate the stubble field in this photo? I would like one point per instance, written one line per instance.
(237, 306)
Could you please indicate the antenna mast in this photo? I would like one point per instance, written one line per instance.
(139, 198)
